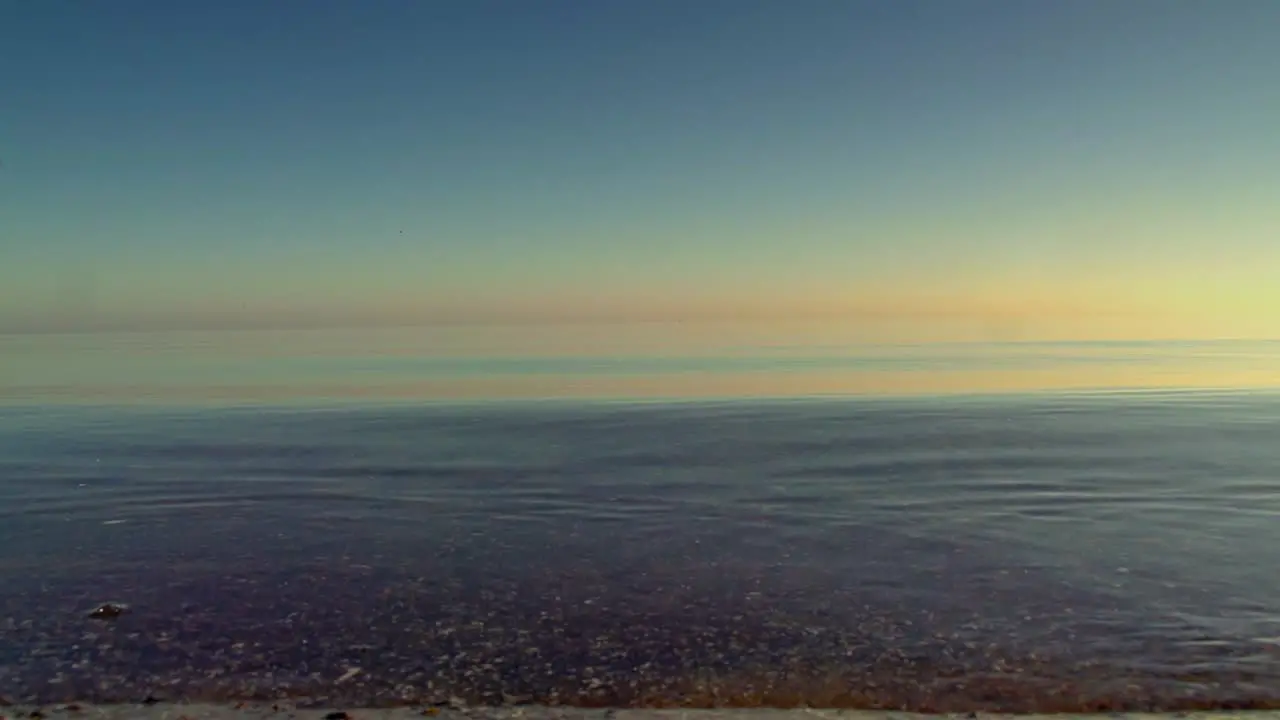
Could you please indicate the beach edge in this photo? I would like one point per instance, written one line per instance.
(287, 711)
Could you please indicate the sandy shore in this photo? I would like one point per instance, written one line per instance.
(284, 711)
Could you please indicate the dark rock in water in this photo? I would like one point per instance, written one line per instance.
(109, 611)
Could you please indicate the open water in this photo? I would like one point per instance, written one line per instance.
(1050, 552)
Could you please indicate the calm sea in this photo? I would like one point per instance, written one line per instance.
(1108, 550)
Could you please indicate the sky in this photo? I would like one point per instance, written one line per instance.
(902, 168)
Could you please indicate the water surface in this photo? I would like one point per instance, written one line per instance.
(1034, 552)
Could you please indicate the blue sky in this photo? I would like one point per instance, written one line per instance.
(321, 162)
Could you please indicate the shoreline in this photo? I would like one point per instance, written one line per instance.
(290, 711)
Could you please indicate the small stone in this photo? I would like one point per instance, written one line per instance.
(338, 715)
(150, 700)
(109, 611)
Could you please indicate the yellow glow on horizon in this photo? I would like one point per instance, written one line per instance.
(684, 386)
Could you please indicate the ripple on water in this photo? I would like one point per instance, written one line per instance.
(959, 557)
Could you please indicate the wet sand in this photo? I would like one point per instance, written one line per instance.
(287, 711)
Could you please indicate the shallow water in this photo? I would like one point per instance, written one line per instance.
(1049, 552)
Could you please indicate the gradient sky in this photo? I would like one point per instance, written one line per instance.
(1090, 168)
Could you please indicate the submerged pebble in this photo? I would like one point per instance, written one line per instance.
(108, 611)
